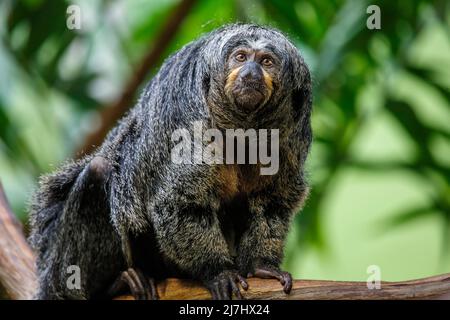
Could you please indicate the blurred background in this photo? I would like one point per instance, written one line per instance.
(380, 162)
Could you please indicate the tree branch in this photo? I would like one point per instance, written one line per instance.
(437, 287)
(110, 114)
(17, 269)
(18, 277)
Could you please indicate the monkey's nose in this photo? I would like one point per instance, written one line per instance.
(251, 71)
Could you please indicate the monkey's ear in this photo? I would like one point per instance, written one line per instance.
(302, 98)
(203, 72)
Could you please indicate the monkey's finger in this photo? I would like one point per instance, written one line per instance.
(215, 292)
(235, 289)
(119, 286)
(126, 277)
(243, 282)
(214, 289)
(287, 282)
(136, 284)
(285, 278)
(224, 289)
(147, 291)
(153, 290)
(219, 293)
(266, 274)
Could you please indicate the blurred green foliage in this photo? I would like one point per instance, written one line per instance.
(381, 102)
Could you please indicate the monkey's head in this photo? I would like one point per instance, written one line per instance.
(255, 74)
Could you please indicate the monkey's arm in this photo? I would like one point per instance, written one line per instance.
(260, 251)
(189, 235)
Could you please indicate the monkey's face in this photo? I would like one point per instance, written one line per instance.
(251, 77)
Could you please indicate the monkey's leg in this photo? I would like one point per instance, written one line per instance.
(190, 236)
(141, 286)
(260, 249)
(80, 234)
(133, 280)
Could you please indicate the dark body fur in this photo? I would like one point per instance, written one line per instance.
(181, 220)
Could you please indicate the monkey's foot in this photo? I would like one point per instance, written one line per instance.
(284, 277)
(134, 280)
(224, 285)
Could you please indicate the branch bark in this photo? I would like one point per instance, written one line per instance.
(17, 268)
(110, 114)
(437, 287)
(18, 277)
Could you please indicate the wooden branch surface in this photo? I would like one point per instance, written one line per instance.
(18, 277)
(17, 270)
(437, 287)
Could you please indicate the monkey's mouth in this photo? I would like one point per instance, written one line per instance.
(249, 95)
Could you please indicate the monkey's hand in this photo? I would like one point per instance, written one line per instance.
(269, 272)
(134, 280)
(225, 284)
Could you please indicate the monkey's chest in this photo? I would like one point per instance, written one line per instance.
(235, 184)
(234, 181)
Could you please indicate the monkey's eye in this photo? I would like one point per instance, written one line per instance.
(240, 57)
(267, 62)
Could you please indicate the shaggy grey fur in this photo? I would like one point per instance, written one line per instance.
(129, 205)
